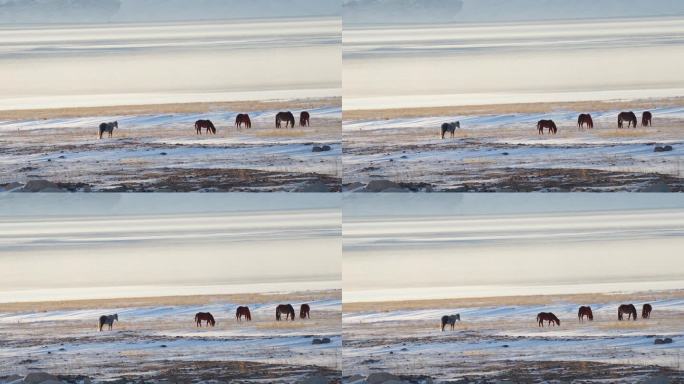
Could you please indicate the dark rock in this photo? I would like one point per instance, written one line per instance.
(382, 186)
(39, 377)
(40, 185)
(163, 153)
(313, 186)
(324, 340)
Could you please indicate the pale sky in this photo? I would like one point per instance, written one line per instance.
(80, 243)
(478, 244)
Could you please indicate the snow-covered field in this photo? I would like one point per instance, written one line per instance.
(156, 341)
(493, 340)
(503, 152)
(161, 152)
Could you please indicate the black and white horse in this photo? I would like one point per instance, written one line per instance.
(451, 320)
(109, 320)
(108, 127)
(450, 127)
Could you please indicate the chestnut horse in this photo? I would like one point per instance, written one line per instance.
(646, 119)
(549, 124)
(585, 311)
(547, 316)
(304, 119)
(243, 118)
(204, 316)
(629, 309)
(646, 311)
(243, 311)
(585, 118)
(287, 309)
(207, 124)
(287, 117)
(304, 311)
(629, 117)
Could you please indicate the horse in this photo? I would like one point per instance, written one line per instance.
(629, 117)
(108, 127)
(629, 309)
(304, 310)
(204, 316)
(585, 311)
(243, 118)
(243, 311)
(646, 311)
(287, 309)
(109, 320)
(304, 119)
(549, 124)
(207, 124)
(547, 316)
(287, 117)
(450, 127)
(585, 118)
(646, 119)
(451, 320)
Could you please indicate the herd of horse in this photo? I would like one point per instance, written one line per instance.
(584, 119)
(242, 312)
(583, 312)
(242, 119)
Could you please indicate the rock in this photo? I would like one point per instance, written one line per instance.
(162, 346)
(666, 148)
(384, 378)
(658, 379)
(658, 186)
(40, 185)
(40, 377)
(62, 157)
(10, 186)
(313, 186)
(326, 148)
(352, 187)
(324, 340)
(404, 349)
(666, 340)
(504, 153)
(163, 153)
(323, 148)
(382, 186)
(315, 379)
(404, 157)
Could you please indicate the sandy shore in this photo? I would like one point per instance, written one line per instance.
(156, 339)
(498, 339)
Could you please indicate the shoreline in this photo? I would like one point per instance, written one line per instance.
(492, 109)
(190, 107)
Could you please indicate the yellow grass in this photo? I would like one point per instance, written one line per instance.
(624, 132)
(284, 132)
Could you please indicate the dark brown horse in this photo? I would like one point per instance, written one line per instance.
(629, 309)
(629, 117)
(304, 311)
(287, 309)
(287, 117)
(207, 124)
(646, 119)
(549, 124)
(243, 118)
(547, 316)
(646, 311)
(243, 311)
(204, 316)
(585, 311)
(585, 118)
(304, 119)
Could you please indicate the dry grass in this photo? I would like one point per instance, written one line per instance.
(493, 109)
(625, 132)
(243, 106)
(280, 133)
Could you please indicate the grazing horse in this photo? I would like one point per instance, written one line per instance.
(304, 310)
(585, 118)
(450, 127)
(207, 124)
(243, 311)
(287, 117)
(629, 309)
(243, 118)
(287, 309)
(629, 117)
(204, 316)
(646, 311)
(646, 119)
(549, 124)
(108, 127)
(451, 320)
(304, 119)
(585, 311)
(547, 316)
(109, 320)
